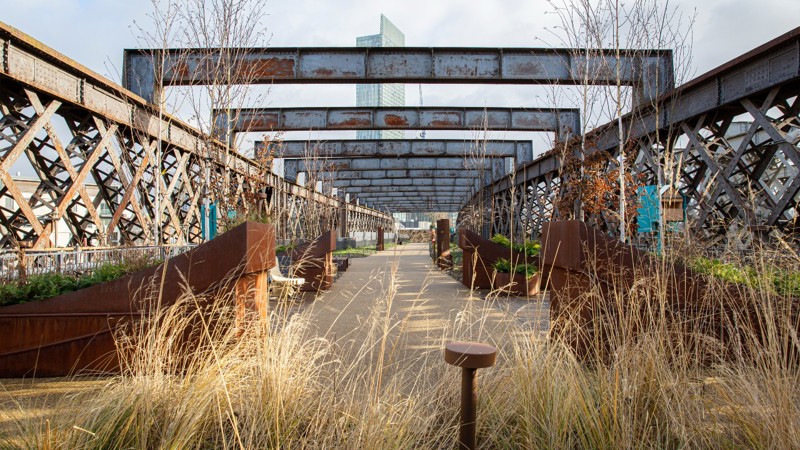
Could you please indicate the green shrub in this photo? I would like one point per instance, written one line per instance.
(44, 286)
(502, 240)
(504, 266)
(787, 283)
(779, 281)
(530, 248)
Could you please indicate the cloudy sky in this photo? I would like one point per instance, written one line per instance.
(94, 32)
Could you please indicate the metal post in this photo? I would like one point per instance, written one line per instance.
(470, 356)
(469, 398)
(379, 238)
(443, 258)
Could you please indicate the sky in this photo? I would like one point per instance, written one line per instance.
(94, 33)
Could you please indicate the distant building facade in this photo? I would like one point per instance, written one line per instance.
(381, 94)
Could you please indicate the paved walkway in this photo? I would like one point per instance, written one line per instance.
(399, 301)
(389, 312)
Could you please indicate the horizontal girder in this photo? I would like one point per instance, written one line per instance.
(419, 181)
(521, 151)
(739, 158)
(564, 121)
(407, 189)
(411, 195)
(649, 70)
(114, 170)
(400, 174)
(292, 167)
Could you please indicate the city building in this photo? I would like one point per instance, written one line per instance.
(381, 94)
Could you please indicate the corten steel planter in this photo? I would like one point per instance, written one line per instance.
(443, 257)
(480, 254)
(75, 331)
(314, 262)
(519, 284)
(380, 245)
(581, 259)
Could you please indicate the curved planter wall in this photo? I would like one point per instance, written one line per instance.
(314, 262)
(581, 259)
(480, 254)
(74, 331)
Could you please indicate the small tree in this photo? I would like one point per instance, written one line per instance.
(636, 26)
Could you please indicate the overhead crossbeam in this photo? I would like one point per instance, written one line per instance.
(521, 151)
(386, 174)
(420, 205)
(77, 129)
(419, 181)
(292, 167)
(749, 175)
(416, 196)
(411, 201)
(563, 121)
(650, 71)
(405, 189)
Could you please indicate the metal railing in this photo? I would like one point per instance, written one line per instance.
(79, 260)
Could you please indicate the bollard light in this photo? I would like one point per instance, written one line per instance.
(470, 356)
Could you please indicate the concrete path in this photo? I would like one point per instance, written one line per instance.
(399, 301)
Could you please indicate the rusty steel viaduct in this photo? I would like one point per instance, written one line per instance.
(734, 129)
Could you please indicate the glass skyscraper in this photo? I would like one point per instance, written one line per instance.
(381, 94)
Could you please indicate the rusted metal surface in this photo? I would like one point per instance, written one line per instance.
(564, 122)
(74, 331)
(443, 257)
(110, 141)
(588, 269)
(736, 121)
(313, 261)
(470, 356)
(522, 151)
(518, 284)
(480, 254)
(342, 168)
(649, 70)
(379, 246)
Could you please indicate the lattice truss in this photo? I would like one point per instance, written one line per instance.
(358, 221)
(739, 164)
(100, 178)
(518, 211)
(71, 148)
(300, 213)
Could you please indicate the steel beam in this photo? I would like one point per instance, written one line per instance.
(563, 121)
(417, 206)
(425, 209)
(76, 128)
(650, 70)
(474, 177)
(522, 151)
(292, 167)
(379, 174)
(421, 181)
(406, 201)
(406, 189)
(716, 171)
(443, 195)
(412, 196)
